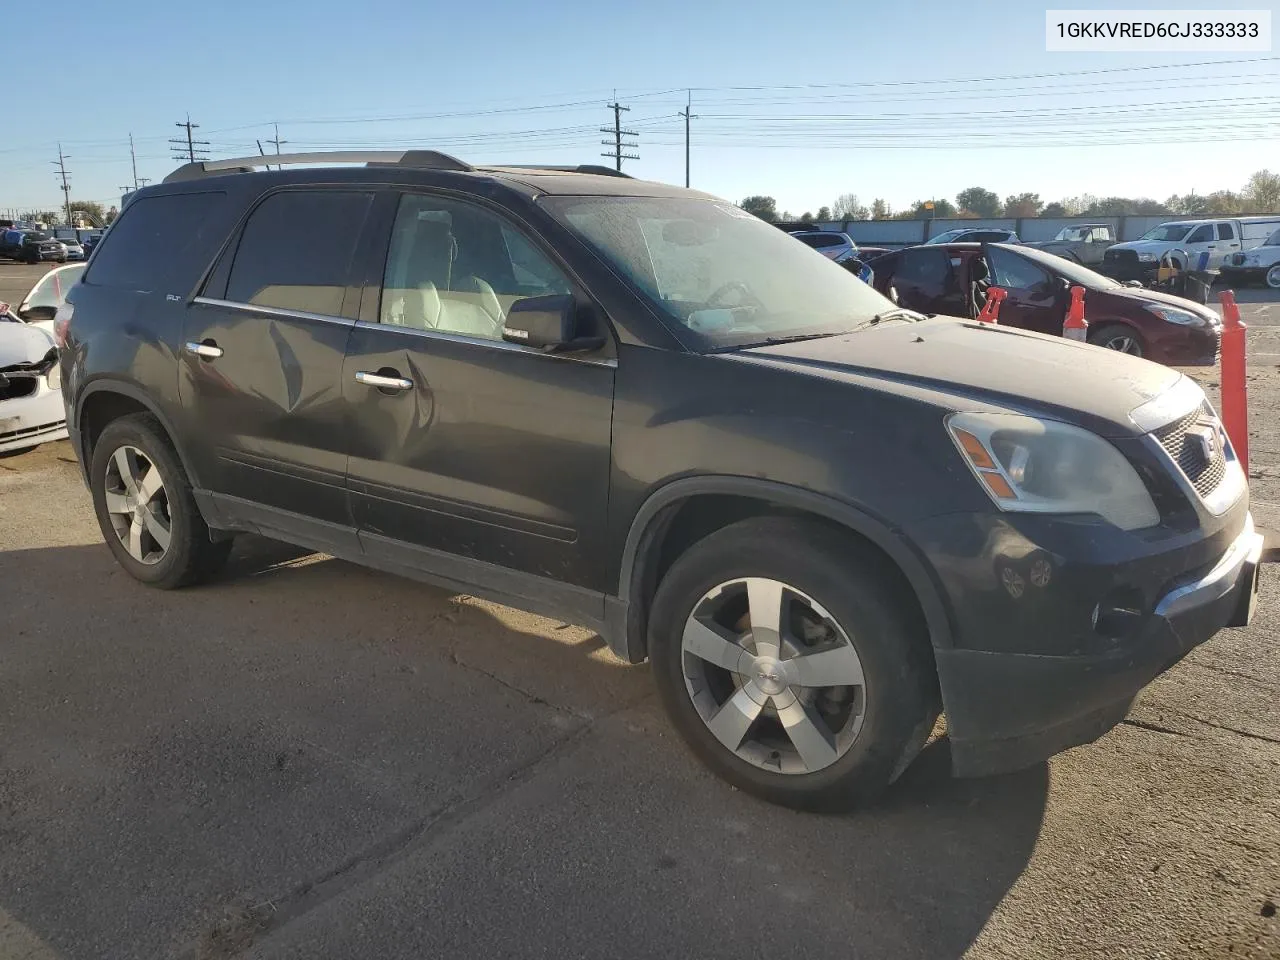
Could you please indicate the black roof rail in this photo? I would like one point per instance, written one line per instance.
(420, 159)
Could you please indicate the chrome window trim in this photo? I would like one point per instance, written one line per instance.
(273, 311)
(486, 342)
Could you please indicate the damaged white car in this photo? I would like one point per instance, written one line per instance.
(31, 410)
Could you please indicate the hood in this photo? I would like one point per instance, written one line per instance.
(1154, 246)
(21, 343)
(995, 365)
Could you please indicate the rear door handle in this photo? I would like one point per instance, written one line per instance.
(383, 383)
(209, 350)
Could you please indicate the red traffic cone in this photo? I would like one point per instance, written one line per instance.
(1076, 326)
(990, 312)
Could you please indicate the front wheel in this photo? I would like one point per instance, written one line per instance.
(791, 664)
(1273, 277)
(1117, 336)
(143, 501)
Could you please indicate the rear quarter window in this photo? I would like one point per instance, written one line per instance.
(158, 241)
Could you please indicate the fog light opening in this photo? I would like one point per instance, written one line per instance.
(1119, 613)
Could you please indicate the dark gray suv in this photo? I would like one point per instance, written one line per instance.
(822, 518)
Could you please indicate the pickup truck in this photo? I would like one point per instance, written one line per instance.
(1084, 243)
(1191, 244)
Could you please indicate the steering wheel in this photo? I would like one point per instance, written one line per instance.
(746, 297)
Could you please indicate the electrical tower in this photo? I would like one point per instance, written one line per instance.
(688, 115)
(61, 164)
(618, 134)
(187, 146)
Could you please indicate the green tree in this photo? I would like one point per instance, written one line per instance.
(847, 207)
(880, 209)
(1262, 192)
(766, 208)
(942, 209)
(90, 210)
(111, 216)
(1055, 209)
(979, 201)
(823, 214)
(1125, 206)
(806, 217)
(1023, 205)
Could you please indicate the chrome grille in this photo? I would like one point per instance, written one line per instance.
(1181, 441)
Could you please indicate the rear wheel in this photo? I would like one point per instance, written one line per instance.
(1117, 336)
(791, 665)
(145, 509)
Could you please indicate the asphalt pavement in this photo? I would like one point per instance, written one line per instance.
(305, 759)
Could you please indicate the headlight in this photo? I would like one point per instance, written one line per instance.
(54, 377)
(1173, 315)
(1042, 466)
(1147, 256)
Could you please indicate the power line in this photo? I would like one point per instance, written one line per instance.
(618, 133)
(61, 164)
(190, 147)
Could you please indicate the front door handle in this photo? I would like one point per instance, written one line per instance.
(383, 383)
(207, 350)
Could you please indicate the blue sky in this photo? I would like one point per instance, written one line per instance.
(802, 101)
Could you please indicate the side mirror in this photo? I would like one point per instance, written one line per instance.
(1134, 283)
(547, 323)
(38, 314)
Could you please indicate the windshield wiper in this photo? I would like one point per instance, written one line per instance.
(901, 313)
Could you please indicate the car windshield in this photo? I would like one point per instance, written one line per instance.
(1073, 233)
(946, 237)
(718, 272)
(1170, 232)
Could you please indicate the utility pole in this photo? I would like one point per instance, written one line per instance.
(143, 181)
(688, 115)
(61, 164)
(277, 141)
(134, 157)
(189, 146)
(618, 134)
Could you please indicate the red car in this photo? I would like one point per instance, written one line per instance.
(952, 279)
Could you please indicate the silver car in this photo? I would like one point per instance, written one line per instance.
(72, 249)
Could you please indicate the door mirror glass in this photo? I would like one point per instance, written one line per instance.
(547, 323)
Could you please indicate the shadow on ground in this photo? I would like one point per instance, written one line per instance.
(306, 758)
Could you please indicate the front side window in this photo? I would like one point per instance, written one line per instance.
(924, 268)
(1273, 240)
(1202, 234)
(458, 269)
(295, 252)
(716, 272)
(1013, 272)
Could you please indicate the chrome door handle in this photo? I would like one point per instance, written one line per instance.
(383, 383)
(208, 351)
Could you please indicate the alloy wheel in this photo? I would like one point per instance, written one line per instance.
(1273, 277)
(138, 505)
(773, 676)
(1124, 344)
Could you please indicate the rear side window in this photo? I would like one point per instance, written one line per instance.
(1226, 231)
(156, 240)
(815, 240)
(295, 252)
(923, 267)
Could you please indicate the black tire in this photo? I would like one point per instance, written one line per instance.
(1107, 333)
(872, 607)
(190, 556)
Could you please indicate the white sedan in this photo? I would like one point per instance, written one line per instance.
(31, 410)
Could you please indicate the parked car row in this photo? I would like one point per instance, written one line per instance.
(36, 246)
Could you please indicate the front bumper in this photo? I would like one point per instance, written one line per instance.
(30, 421)
(1231, 274)
(1069, 682)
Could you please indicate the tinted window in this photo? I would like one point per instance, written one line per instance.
(457, 268)
(923, 268)
(816, 240)
(1226, 231)
(295, 252)
(1013, 272)
(1201, 234)
(156, 239)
